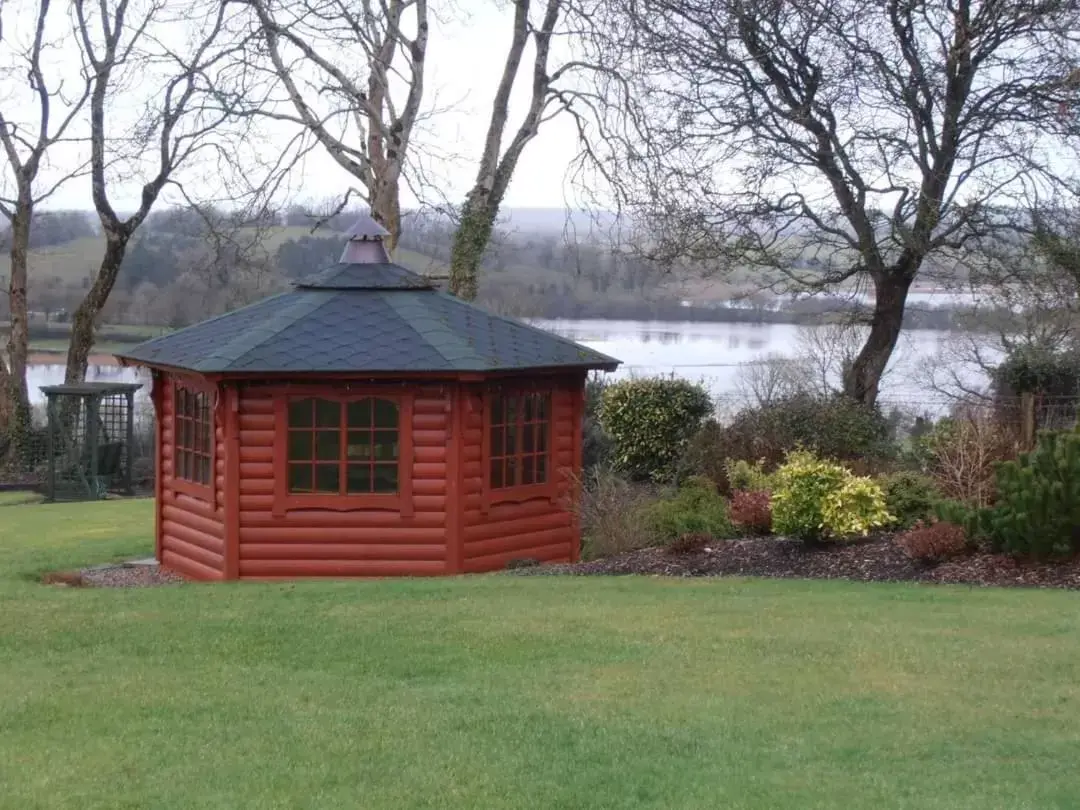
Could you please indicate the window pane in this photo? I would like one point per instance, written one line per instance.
(327, 413)
(541, 437)
(204, 469)
(385, 478)
(386, 413)
(513, 473)
(204, 407)
(497, 412)
(181, 402)
(530, 410)
(511, 414)
(496, 440)
(181, 470)
(299, 478)
(327, 478)
(300, 445)
(542, 407)
(511, 439)
(496, 472)
(386, 446)
(359, 413)
(327, 445)
(527, 438)
(541, 469)
(300, 411)
(528, 468)
(359, 447)
(358, 478)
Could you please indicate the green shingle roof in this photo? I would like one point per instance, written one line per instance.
(369, 317)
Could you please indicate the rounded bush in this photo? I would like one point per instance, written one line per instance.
(801, 485)
(909, 497)
(820, 500)
(695, 509)
(833, 427)
(650, 421)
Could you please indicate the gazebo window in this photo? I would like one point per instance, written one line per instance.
(520, 432)
(194, 432)
(338, 447)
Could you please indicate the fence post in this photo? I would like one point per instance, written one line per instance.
(1027, 416)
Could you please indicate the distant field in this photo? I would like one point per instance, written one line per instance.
(73, 261)
(77, 260)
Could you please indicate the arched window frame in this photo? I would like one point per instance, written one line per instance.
(285, 501)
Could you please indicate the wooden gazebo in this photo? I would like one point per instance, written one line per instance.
(364, 424)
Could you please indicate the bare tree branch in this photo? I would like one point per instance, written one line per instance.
(831, 141)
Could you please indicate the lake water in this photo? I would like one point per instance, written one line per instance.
(710, 352)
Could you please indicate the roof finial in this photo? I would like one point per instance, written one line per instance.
(365, 245)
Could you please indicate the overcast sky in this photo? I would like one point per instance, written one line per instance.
(464, 62)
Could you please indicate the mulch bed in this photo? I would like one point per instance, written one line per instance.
(875, 559)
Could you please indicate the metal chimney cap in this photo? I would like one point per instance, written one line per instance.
(366, 229)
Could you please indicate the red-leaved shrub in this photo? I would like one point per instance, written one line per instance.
(933, 542)
(752, 511)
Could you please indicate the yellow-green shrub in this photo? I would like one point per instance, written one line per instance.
(814, 499)
(855, 508)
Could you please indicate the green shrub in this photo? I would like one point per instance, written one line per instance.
(597, 446)
(741, 474)
(833, 427)
(696, 508)
(650, 421)
(704, 456)
(1037, 511)
(909, 497)
(820, 500)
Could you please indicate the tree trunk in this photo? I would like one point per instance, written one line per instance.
(386, 209)
(470, 241)
(862, 380)
(85, 317)
(15, 408)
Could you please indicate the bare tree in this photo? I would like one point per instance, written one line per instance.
(37, 115)
(496, 168)
(833, 142)
(181, 124)
(353, 77)
(771, 379)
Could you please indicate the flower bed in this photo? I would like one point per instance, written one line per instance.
(875, 559)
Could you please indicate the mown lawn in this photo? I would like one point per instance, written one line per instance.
(504, 692)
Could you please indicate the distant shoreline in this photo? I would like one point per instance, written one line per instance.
(49, 357)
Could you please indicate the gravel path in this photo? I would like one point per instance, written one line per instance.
(122, 575)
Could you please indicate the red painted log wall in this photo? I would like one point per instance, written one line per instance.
(192, 526)
(541, 528)
(453, 528)
(318, 543)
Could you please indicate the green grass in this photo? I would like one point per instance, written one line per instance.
(504, 692)
(19, 498)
